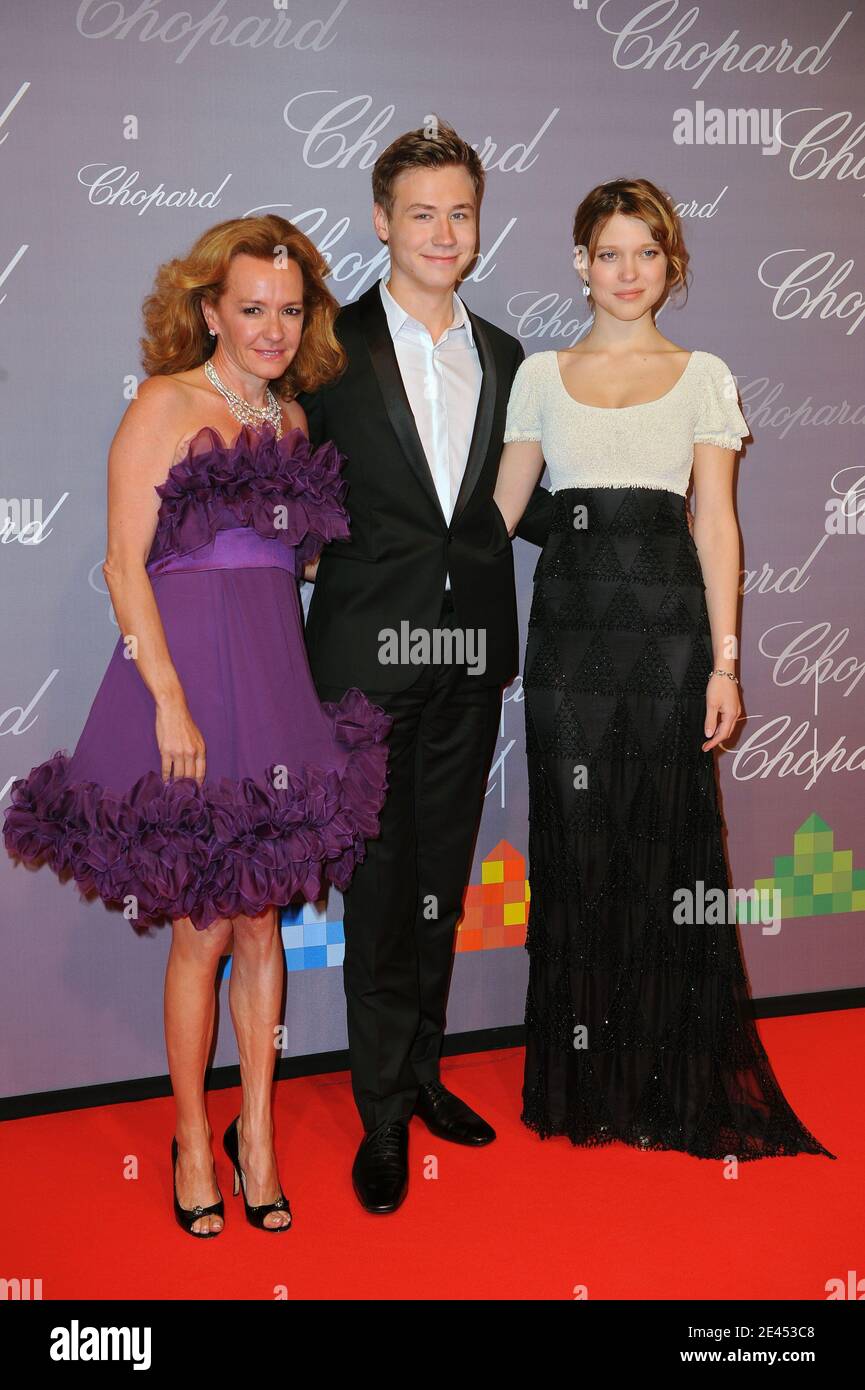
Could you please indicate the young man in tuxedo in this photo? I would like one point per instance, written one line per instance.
(420, 413)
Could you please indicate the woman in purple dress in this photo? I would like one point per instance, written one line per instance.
(210, 785)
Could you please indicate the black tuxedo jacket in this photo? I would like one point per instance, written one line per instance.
(393, 568)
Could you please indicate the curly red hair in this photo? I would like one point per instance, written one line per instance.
(176, 337)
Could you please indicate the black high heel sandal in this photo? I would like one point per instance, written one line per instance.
(254, 1215)
(187, 1215)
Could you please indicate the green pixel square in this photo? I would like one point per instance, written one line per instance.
(823, 863)
(784, 865)
(822, 903)
(803, 864)
(843, 902)
(803, 883)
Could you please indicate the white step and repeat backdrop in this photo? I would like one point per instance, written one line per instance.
(128, 126)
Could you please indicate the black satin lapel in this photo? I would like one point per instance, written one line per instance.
(383, 355)
(483, 418)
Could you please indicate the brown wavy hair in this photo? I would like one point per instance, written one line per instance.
(176, 336)
(636, 198)
(432, 146)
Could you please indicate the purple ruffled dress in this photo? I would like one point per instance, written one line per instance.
(293, 787)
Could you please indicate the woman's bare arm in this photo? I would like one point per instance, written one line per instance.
(716, 536)
(520, 466)
(140, 456)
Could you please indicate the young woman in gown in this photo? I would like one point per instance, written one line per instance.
(209, 785)
(639, 1025)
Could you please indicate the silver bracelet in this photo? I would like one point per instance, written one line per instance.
(719, 672)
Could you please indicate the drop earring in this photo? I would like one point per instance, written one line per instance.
(577, 267)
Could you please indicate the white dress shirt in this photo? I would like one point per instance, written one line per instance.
(443, 384)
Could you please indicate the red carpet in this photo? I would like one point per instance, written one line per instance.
(521, 1219)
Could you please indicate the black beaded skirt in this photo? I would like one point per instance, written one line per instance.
(639, 1026)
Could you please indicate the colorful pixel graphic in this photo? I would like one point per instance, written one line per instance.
(311, 942)
(815, 879)
(497, 908)
(495, 915)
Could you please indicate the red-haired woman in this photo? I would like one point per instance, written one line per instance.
(210, 785)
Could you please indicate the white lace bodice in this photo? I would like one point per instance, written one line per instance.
(648, 445)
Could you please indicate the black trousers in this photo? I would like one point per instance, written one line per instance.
(405, 898)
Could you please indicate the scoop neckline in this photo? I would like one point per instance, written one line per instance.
(617, 408)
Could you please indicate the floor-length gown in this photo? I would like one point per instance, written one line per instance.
(293, 786)
(638, 1028)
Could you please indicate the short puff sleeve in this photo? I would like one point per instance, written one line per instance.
(523, 420)
(719, 421)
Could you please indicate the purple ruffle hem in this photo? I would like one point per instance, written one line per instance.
(185, 850)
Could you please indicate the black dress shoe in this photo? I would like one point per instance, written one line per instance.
(449, 1117)
(380, 1171)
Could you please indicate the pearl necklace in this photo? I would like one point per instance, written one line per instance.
(254, 415)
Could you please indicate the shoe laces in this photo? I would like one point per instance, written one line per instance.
(387, 1140)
